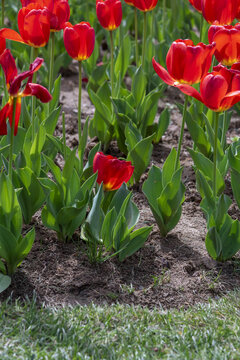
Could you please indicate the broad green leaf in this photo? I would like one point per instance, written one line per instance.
(5, 282)
(139, 83)
(136, 241)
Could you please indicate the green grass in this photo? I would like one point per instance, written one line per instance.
(209, 331)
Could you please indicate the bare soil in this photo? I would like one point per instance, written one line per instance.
(171, 272)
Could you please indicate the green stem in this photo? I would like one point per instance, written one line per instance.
(144, 38)
(112, 73)
(181, 132)
(163, 17)
(201, 27)
(215, 155)
(136, 36)
(51, 65)
(64, 135)
(34, 54)
(79, 100)
(12, 140)
(224, 130)
(2, 22)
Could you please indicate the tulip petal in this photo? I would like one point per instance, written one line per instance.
(189, 90)
(9, 66)
(213, 89)
(71, 41)
(4, 113)
(162, 73)
(39, 91)
(11, 35)
(17, 115)
(2, 45)
(230, 99)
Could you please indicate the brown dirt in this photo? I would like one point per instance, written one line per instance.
(171, 272)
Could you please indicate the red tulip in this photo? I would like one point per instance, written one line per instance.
(130, 2)
(59, 11)
(15, 90)
(197, 4)
(186, 63)
(227, 39)
(33, 25)
(238, 11)
(219, 90)
(2, 45)
(222, 11)
(145, 5)
(111, 171)
(79, 40)
(109, 13)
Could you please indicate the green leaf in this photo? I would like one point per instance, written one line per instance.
(5, 282)
(35, 152)
(107, 228)
(102, 109)
(140, 156)
(168, 169)
(163, 124)
(56, 94)
(198, 135)
(136, 241)
(152, 187)
(120, 233)
(50, 122)
(139, 83)
(123, 58)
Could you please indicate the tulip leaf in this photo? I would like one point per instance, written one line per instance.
(123, 58)
(50, 122)
(135, 242)
(36, 148)
(139, 83)
(198, 135)
(140, 156)
(5, 282)
(56, 94)
(163, 123)
(107, 228)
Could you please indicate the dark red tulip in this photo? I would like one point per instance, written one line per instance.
(222, 11)
(186, 63)
(79, 40)
(112, 172)
(227, 39)
(109, 13)
(59, 11)
(219, 90)
(33, 25)
(145, 5)
(197, 4)
(15, 90)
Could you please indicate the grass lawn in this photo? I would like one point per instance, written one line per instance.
(209, 331)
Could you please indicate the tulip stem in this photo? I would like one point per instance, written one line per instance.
(12, 139)
(2, 23)
(64, 135)
(144, 38)
(33, 56)
(215, 155)
(201, 28)
(112, 73)
(224, 130)
(181, 132)
(136, 35)
(79, 100)
(163, 17)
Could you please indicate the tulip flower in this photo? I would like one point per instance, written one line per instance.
(109, 13)
(227, 39)
(33, 25)
(16, 91)
(145, 5)
(79, 42)
(222, 11)
(219, 90)
(186, 65)
(197, 4)
(14, 86)
(112, 172)
(59, 11)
